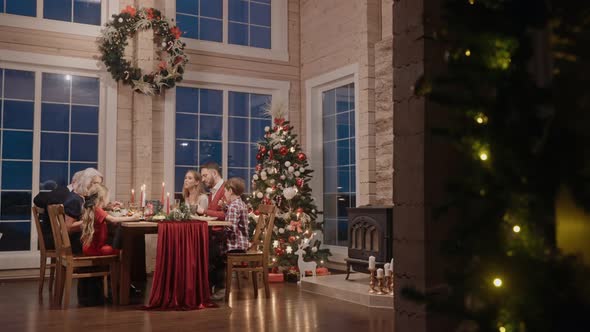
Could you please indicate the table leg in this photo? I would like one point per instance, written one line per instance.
(125, 280)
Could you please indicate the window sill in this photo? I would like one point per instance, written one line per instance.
(37, 23)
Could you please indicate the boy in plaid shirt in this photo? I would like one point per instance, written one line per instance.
(237, 239)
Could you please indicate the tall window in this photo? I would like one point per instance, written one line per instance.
(78, 11)
(200, 118)
(17, 110)
(246, 127)
(248, 22)
(199, 124)
(339, 162)
(68, 132)
(69, 127)
(19, 7)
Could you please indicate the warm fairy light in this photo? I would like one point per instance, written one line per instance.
(481, 118)
(483, 156)
(467, 52)
(322, 261)
(274, 259)
(502, 329)
(497, 282)
(471, 2)
(516, 229)
(68, 77)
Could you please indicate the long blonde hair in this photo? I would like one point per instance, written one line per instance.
(97, 196)
(200, 185)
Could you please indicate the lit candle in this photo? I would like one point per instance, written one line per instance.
(132, 196)
(371, 262)
(379, 273)
(167, 203)
(391, 265)
(387, 270)
(162, 196)
(142, 195)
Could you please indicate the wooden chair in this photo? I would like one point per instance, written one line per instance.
(255, 260)
(69, 264)
(44, 254)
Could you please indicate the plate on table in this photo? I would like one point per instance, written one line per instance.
(120, 213)
(204, 218)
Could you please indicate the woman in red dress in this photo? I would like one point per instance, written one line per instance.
(95, 223)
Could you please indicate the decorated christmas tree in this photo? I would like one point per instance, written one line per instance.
(282, 179)
(519, 128)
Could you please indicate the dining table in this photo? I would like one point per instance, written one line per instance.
(180, 278)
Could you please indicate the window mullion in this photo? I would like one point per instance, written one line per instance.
(39, 8)
(224, 132)
(36, 147)
(225, 24)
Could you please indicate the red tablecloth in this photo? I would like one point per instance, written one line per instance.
(181, 280)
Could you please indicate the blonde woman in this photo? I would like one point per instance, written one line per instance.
(193, 191)
(94, 223)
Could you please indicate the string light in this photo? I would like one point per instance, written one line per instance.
(483, 156)
(480, 118)
(472, 2)
(516, 229)
(497, 282)
(467, 52)
(502, 329)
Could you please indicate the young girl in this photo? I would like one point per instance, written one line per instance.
(193, 191)
(94, 223)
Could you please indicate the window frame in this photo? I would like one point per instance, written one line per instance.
(108, 7)
(314, 88)
(107, 128)
(279, 91)
(278, 34)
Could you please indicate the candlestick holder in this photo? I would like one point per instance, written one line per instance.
(390, 285)
(372, 281)
(380, 287)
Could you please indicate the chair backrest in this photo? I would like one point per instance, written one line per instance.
(266, 221)
(59, 229)
(36, 212)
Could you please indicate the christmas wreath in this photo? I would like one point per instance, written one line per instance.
(166, 36)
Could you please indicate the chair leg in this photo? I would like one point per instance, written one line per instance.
(68, 285)
(59, 284)
(42, 266)
(255, 283)
(105, 286)
(266, 285)
(52, 275)
(228, 276)
(115, 282)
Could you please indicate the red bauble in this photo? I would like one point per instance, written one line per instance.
(300, 210)
(283, 150)
(262, 149)
(256, 212)
(286, 128)
(258, 167)
(291, 239)
(258, 156)
(300, 182)
(301, 156)
(270, 154)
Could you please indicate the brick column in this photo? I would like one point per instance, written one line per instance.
(142, 111)
(408, 163)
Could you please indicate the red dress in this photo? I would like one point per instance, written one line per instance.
(99, 246)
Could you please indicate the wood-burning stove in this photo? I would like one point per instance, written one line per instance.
(370, 233)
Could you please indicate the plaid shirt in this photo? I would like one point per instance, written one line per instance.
(237, 234)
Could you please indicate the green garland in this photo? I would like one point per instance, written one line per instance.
(114, 40)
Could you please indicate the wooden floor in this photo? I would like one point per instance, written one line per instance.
(288, 309)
